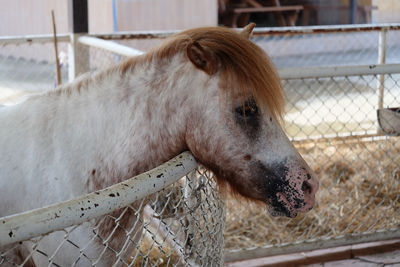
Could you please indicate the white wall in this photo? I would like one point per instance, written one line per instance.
(388, 11)
(22, 17)
(166, 15)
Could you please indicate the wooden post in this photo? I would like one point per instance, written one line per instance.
(281, 18)
(78, 55)
(58, 70)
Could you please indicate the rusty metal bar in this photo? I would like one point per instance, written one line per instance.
(259, 31)
(325, 29)
(322, 243)
(134, 35)
(164, 34)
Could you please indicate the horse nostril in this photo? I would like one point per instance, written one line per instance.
(306, 187)
(247, 157)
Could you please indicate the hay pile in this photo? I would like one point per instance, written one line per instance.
(359, 191)
(154, 255)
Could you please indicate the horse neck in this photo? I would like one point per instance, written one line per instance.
(137, 119)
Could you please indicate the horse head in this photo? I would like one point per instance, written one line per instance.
(234, 125)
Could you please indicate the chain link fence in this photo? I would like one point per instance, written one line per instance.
(332, 121)
(173, 227)
(27, 65)
(337, 106)
(329, 46)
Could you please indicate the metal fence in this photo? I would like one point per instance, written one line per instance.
(331, 45)
(168, 221)
(335, 78)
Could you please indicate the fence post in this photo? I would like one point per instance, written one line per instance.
(381, 60)
(78, 55)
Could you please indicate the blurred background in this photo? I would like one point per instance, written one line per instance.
(33, 17)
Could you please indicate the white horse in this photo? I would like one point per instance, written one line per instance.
(207, 90)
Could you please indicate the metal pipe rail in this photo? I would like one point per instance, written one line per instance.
(26, 225)
(337, 71)
(257, 31)
(109, 46)
(308, 245)
(326, 29)
(163, 34)
(45, 38)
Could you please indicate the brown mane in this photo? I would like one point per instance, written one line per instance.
(240, 62)
(243, 65)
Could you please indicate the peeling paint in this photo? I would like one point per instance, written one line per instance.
(76, 211)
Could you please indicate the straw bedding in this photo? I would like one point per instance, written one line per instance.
(359, 191)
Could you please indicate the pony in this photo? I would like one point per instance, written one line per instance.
(208, 90)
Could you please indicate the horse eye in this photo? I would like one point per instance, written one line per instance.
(249, 109)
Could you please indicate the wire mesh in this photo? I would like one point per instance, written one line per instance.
(101, 59)
(334, 121)
(328, 49)
(173, 227)
(336, 106)
(27, 68)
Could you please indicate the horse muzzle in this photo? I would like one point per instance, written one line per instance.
(289, 187)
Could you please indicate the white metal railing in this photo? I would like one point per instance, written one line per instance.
(41, 221)
(170, 222)
(45, 38)
(109, 46)
(336, 71)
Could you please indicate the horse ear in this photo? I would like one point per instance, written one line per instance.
(248, 30)
(201, 58)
